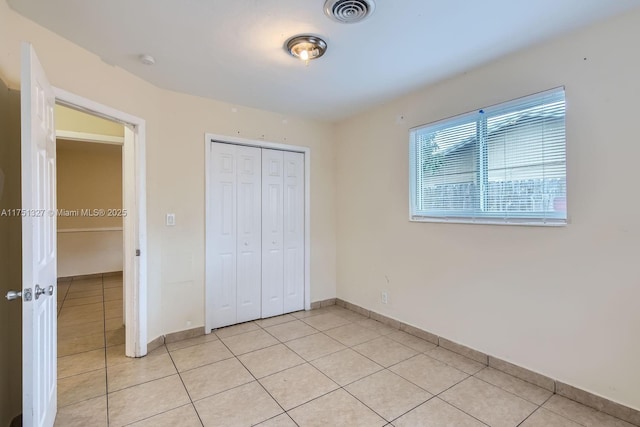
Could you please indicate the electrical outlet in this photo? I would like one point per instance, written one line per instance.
(384, 297)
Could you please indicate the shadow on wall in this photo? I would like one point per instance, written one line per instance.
(10, 257)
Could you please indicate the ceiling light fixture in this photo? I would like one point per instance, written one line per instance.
(306, 47)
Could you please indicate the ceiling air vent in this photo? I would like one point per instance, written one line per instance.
(349, 11)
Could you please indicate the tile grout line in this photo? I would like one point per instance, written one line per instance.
(256, 379)
(341, 387)
(106, 369)
(183, 385)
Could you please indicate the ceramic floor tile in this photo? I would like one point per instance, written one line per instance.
(139, 371)
(184, 416)
(191, 342)
(297, 385)
(81, 309)
(116, 355)
(306, 313)
(114, 313)
(277, 320)
(388, 394)
(379, 327)
(114, 305)
(215, 378)
(456, 360)
(291, 330)
(113, 285)
(336, 409)
(92, 412)
(81, 329)
(581, 414)
(145, 400)
(544, 418)
(346, 366)
(200, 355)
(84, 293)
(113, 294)
(270, 360)
(249, 341)
(113, 324)
(67, 318)
(351, 316)
(72, 302)
(69, 346)
(282, 420)
(411, 341)
(236, 329)
(430, 374)
(525, 390)
(115, 337)
(385, 351)
(243, 406)
(325, 321)
(315, 346)
(488, 403)
(436, 413)
(352, 334)
(81, 387)
(82, 287)
(81, 363)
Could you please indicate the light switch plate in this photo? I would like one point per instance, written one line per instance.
(171, 219)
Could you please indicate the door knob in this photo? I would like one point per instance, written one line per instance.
(41, 291)
(11, 295)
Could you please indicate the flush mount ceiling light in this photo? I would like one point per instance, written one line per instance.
(348, 11)
(306, 47)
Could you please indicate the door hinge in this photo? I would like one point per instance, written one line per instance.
(137, 252)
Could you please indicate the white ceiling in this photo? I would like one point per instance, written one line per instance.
(232, 50)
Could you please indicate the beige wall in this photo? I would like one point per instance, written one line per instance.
(89, 176)
(77, 121)
(10, 258)
(560, 301)
(176, 125)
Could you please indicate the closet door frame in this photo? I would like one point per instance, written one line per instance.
(209, 139)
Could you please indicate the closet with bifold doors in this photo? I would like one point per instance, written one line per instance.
(255, 233)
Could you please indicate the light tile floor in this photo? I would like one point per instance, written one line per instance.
(327, 367)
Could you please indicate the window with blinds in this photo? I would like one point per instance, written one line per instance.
(504, 164)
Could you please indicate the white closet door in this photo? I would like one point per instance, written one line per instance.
(249, 167)
(223, 234)
(272, 232)
(293, 231)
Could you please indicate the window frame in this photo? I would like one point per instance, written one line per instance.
(463, 217)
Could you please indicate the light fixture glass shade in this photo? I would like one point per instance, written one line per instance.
(306, 47)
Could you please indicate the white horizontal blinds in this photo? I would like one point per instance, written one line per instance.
(447, 168)
(527, 157)
(506, 163)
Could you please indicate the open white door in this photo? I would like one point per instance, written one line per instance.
(39, 288)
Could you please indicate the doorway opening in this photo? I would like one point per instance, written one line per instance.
(132, 212)
(90, 249)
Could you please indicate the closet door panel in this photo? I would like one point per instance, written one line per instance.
(293, 236)
(272, 233)
(223, 258)
(249, 264)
